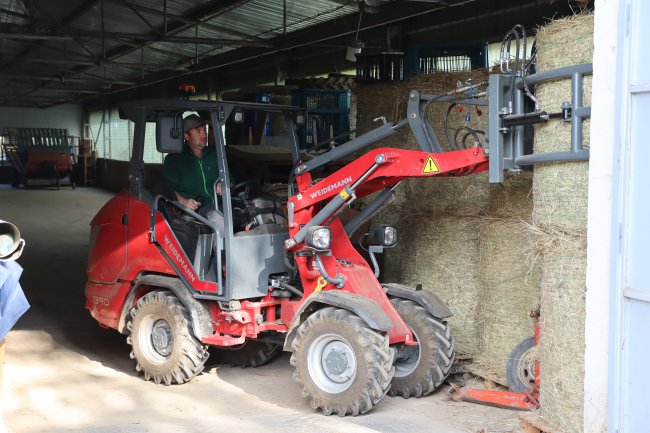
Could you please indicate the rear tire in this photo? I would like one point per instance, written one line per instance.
(421, 369)
(252, 353)
(160, 333)
(342, 365)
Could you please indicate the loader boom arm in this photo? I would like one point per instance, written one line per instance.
(376, 170)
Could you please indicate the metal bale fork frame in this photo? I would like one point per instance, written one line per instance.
(508, 117)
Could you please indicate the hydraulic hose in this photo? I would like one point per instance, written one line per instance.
(338, 281)
(290, 288)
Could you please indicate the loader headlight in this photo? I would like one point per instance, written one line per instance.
(319, 238)
(386, 235)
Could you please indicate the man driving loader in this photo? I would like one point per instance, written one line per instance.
(193, 172)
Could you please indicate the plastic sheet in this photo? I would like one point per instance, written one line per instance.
(13, 303)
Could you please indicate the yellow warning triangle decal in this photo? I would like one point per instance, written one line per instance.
(430, 166)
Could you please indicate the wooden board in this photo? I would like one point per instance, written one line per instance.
(531, 423)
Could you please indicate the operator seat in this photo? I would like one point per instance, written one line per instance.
(195, 237)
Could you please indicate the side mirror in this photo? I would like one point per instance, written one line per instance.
(169, 134)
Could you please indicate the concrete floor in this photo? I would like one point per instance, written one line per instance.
(63, 373)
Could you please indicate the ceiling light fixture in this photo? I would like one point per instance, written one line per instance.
(355, 46)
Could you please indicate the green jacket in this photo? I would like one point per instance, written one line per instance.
(192, 177)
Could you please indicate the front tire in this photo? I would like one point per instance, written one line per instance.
(342, 365)
(160, 333)
(421, 369)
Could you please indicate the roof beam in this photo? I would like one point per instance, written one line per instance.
(63, 79)
(20, 15)
(72, 63)
(144, 20)
(18, 31)
(207, 25)
(59, 90)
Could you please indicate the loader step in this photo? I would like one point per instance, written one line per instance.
(223, 340)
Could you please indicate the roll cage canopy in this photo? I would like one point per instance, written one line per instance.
(151, 109)
(167, 114)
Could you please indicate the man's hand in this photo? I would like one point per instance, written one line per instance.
(189, 203)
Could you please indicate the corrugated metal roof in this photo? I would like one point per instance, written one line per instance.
(59, 44)
(93, 45)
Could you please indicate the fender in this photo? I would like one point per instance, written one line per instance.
(429, 300)
(200, 313)
(368, 310)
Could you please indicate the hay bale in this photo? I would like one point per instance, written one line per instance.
(438, 219)
(463, 196)
(390, 100)
(510, 279)
(560, 194)
(560, 214)
(471, 196)
(562, 340)
(512, 197)
(441, 253)
(560, 189)
(566, 41)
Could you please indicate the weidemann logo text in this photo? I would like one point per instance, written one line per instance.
(179, 259)
(332, 187)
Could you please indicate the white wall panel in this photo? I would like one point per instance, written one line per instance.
(67, 116)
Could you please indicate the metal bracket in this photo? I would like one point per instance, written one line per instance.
(507, 117)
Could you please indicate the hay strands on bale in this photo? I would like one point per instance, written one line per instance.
(525, 400)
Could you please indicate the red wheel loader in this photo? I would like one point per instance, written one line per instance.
(283, 275)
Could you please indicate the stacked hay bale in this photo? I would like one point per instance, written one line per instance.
(487, 250)
(462, 237)
(509, 275)
(441, 252)
(438, 218)
(473, 247)
(560, 217)
(390, 100)
(443, 223)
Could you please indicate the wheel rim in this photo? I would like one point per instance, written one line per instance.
(157, 339)
(407, 359)
(332, 363)
(526, 370)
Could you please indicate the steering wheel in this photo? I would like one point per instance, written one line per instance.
(243, 189)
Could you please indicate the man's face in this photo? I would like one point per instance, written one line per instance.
(197, 138)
